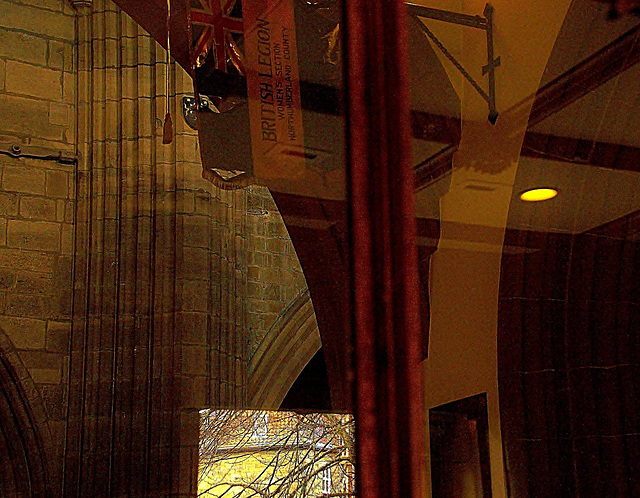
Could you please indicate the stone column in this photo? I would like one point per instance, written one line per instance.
(160, 271)
(124, 424)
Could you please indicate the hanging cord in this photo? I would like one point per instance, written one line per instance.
(167, 129)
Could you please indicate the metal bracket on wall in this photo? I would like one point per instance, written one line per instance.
(19, 150)
(485, 23)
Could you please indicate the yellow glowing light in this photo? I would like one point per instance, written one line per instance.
(538, 194)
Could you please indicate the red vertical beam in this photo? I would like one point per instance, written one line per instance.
(384, 270)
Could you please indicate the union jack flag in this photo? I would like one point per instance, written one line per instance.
(218, 27)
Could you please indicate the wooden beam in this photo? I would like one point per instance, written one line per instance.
(536, 145)
(581, 151)
(590, 74)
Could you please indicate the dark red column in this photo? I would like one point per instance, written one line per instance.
(385, 313)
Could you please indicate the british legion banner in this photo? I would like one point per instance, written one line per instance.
(271, 65)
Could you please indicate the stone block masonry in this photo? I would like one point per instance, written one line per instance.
(275, 278)
(37, 84)
(36, 279)
(175, 283)
(37, 107)
(35, 263)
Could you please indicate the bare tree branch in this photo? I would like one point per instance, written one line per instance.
(276, 454)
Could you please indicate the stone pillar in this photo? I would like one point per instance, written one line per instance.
(124, 424)
(160, 274)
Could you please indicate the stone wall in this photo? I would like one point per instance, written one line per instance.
(161, 273)
(37, 97)
(275, 278)
(36, 72)
(133, 291)
(144, 305)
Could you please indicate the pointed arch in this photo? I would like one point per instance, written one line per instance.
(23, 461)
(289, 345)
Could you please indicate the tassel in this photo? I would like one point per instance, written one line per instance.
(167, 128)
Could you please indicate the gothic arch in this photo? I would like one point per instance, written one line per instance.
(23, 463)
(289, 345)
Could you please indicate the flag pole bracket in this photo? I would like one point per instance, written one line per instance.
(477, 22)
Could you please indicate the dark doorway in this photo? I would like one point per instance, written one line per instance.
(310, 391)
(460, 449)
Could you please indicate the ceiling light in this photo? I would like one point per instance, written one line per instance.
(538, 194)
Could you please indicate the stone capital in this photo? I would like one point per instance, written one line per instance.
(81, 4)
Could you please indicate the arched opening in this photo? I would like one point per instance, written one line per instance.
(23, 469)
(284, 353)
